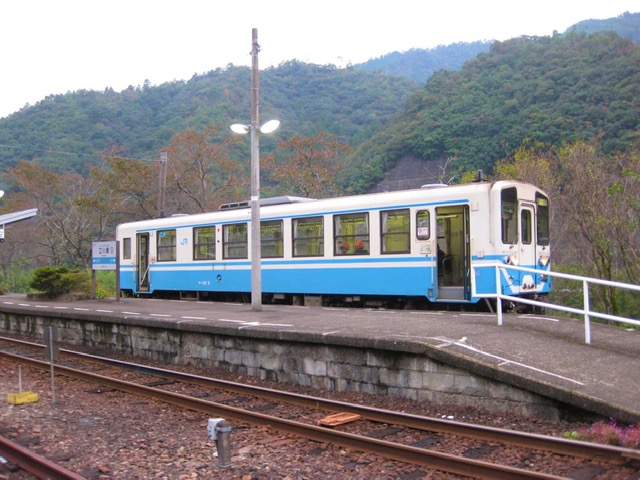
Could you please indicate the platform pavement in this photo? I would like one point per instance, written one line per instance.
(540, 353)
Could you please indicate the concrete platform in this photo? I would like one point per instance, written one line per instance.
(541, 354)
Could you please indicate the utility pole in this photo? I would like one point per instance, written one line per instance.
(256, 274)
(162, 183)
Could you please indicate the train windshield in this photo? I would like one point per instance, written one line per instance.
(509, 216)
(542, 223)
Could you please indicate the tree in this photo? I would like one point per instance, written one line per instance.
(307, 166)
(600, 197)
(594, 208)
(200, 173)
(16, 253)
(536, 163)
(75, 210)
(70, 212)
(132, 186)
(58, 280)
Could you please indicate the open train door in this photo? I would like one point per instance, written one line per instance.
(454, 269)
(143, 262)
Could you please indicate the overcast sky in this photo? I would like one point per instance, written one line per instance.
(60, 46)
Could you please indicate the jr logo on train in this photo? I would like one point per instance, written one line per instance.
(436, 244)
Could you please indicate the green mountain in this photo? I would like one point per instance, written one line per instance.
(544, 89)
(66, 132)
(478, 104)
(626, 25)
(419, 64)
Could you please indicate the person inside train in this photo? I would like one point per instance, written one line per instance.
(360, 250)
(444, 262)
(441, 256)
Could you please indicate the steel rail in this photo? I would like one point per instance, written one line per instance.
(35, 464)
(414, 455)
(530, 440)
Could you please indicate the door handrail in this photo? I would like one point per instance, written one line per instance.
(144, 276)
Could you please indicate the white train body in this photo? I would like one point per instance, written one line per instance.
(418, 243)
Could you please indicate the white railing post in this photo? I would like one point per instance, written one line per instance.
(587, 321)
(498, 299)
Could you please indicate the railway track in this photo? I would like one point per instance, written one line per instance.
(34, 464)
(394, 420)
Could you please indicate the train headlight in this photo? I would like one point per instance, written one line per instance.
(512, 259)
(543, 260)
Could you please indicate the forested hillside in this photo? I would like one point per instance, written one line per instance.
(549, 89)
(544, 89)
(419, 64)
(66, 132)
(626, 25)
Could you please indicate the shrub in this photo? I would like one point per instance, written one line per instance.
(102, 291)
(56, 281)
(609, 433)
(106, 283)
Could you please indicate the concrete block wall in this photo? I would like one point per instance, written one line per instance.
(318, 365)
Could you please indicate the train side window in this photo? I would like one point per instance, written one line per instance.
(126, 248)
(234, 240)
(395, 236)
(508, 209)
(166, 245)
(542, 220)
(308, 237)
(271, 239)
(204, 243)
(423, 225)
(525, 226)
(351, 234)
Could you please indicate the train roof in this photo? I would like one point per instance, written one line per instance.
(265, 202)
(288, 206)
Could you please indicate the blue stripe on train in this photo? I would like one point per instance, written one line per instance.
(409, 280)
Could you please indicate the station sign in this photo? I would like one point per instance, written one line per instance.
(103, 256)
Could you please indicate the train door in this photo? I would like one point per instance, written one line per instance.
(143, 262)
(452, 227)
(527, 243)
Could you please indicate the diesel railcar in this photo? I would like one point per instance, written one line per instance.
(436, 244)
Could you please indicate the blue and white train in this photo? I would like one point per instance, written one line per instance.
(436, 244)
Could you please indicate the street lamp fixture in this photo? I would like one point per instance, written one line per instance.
(269, 127)
(240, 128)
(254, 129)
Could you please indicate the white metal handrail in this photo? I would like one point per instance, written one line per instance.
(586, 311)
